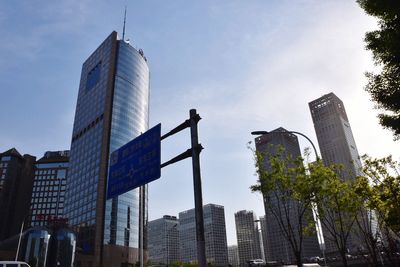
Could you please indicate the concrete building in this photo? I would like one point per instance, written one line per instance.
(248, 237)
(277, 248)
(337, 146)
(48, 194)
(163, 240)
(335, 138)
(215, 235)
(112, 109)
(233, 255)
(17, 173)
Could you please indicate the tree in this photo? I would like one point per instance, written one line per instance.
(384, 87)
(287, 192)
(337, 205)
(385, 176)
(366, 220)
(383, 196)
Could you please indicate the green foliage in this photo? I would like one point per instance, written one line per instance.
(288, 194)
(290, 189)
(384, 87)
(384, 194)
(337, 205)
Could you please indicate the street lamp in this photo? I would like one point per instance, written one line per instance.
(289, 132)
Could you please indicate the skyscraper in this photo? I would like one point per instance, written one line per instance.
(277, 247)
(248, 237)
(163, 240)
(334, 134)
(48, 192)
(337, 146)
(233, 255)
(16, 181)
(214, 231)
(111, 110)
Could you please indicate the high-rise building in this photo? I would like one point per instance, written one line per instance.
(335, 138)
(163, 240)
(214, 232)
(48, 194)
(233, 255)
(112, 109)
(16, 180)
(277, 247)
(248, 237)
(337, 146)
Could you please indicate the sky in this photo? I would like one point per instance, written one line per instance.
(244, 65)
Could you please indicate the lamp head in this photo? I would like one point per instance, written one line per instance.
(259, 132)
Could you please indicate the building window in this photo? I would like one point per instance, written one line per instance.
(61, 174)
(93, 77)
(6, 158)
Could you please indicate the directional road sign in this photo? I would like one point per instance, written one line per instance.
(135, 163)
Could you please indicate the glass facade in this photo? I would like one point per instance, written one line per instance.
(87, 137)
(34, 247)
(62, 248)
(112, 109)
(129, 119)
(163, 242)
(247, 236)
(214, 231)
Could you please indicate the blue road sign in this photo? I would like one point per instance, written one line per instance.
(135, 163)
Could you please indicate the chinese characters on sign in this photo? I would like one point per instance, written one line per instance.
(135, 163)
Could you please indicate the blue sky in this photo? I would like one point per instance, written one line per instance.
(244, 65)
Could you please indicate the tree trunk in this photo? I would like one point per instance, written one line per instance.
(344, 259)
(374, 257)
(299, 260)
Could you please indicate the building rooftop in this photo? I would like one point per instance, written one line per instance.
(55, 156)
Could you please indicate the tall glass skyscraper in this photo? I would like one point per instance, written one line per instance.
(111, 110)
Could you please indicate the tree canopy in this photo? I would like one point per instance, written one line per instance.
(384, 87)
(359, 215)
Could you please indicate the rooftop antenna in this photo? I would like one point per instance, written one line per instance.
(123, 31)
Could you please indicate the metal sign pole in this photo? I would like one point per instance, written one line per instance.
(141, 225)
(198, 199)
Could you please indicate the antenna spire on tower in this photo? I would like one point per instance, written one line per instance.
(123, 31)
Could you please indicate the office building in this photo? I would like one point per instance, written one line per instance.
(17, 173)
(337, 145)
(277, 246)
(233, 255)
(163, 240)
(214, 231)
(111, 110)
(48, 194)
(335, 138)
(248, 238)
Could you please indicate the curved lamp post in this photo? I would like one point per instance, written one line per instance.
(289, 132)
